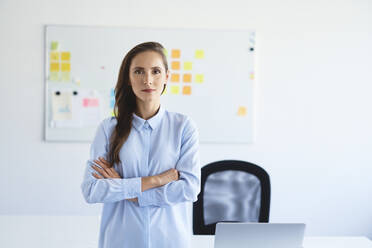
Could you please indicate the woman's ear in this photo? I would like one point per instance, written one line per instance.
(166, 77)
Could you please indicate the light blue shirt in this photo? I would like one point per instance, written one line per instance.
(162, 216)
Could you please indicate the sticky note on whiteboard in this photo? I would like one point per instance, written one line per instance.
(187, 66)
(90, 102)
(54, 56)
(242, 111)
(54, 67)
(199, 78)
(175, 65)
(186, 90)
(175, 89)
(53, 76)
(65, 67)
(176, 53)
(186, 78)
(175, 77)
(199, 54)
(65, 56)
(54, 45)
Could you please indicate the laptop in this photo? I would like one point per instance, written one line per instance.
(259, 235)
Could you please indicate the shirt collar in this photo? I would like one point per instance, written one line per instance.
(153, 122)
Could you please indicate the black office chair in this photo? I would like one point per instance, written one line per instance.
(231, 191)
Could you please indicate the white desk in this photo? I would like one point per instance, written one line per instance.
(82, 232)
(206, 241)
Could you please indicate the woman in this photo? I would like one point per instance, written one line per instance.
(144, 162)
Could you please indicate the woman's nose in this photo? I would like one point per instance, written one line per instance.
(148, 78)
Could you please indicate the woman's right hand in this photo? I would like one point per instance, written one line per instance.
(168, 176)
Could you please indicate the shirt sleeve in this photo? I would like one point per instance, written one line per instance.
(187, 187)
(109, 189)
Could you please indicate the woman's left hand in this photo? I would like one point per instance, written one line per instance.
(106, 171)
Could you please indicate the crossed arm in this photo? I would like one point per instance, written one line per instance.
(148, 182)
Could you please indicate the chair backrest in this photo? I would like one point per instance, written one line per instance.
(231, 191)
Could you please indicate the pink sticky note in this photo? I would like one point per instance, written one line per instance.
(90, 102)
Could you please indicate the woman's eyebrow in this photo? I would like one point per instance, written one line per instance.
(139, 67)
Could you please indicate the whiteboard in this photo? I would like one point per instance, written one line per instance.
(214, 85)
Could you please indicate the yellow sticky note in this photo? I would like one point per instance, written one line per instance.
(175, 65)
(199, 78)
(176, 53)
(165, 51)
(112, 113)
(54, 45)
(186, 78)
(54, 55)
(65, 76)
(65, 56)
(187, 66)
(53, 76)
(65, 67)
(199, 54)
(186, 90)
(54, 66)
(175, 89)
(251, 76)
(242, 111)
(175, 77)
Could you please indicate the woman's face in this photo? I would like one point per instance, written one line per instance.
(147, 76)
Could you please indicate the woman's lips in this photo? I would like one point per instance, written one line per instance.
(148, 90)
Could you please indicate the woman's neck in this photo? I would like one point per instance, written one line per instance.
(147, 110)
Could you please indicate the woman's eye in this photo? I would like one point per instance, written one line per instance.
(137, 72)
(156, 71)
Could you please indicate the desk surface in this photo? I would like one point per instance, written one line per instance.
(207, 241)
(82, 232)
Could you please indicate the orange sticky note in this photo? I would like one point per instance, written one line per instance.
(186, 78)
(186, 90)
(54, 55)
(65, 67)
(54, 66)
(187, 66)
(175, 77)
(175, 89)
(199, 78)
(176, 53)
(242, 111)
(175, 65)
(199, 54)
(65, 56)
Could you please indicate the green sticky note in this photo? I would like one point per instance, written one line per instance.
(54, 45)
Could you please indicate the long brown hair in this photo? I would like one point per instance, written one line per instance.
(125, 99)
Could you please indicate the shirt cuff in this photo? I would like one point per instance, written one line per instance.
(146, 198)
(131, 187)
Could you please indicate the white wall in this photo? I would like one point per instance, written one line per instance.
(313, 117)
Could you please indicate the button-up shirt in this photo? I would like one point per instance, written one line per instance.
(162, 216)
